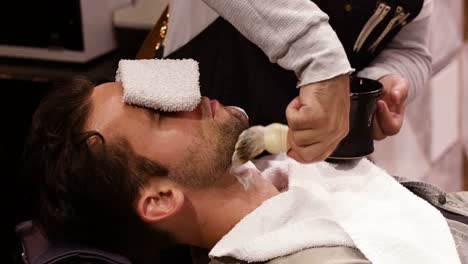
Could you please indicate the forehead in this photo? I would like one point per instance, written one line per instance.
(107, 106)
(106, 91)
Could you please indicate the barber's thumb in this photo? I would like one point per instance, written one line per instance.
(293, 147)
(292, 112)
(295, 103)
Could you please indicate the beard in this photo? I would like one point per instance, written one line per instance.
(205, 163)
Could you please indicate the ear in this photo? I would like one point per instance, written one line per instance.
(159, 200)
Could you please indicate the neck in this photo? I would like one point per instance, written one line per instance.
(219, 209)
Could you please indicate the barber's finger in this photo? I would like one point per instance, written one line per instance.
(292, 110)
(312, 153)
(389, 122)
(292, 146)
(399, 93)
(292, 113)
(295, 104)
(317, 151)
(377, 132)
(304, 117)
(307, 137)
(399, 97)
(291, 153)
(309, 155)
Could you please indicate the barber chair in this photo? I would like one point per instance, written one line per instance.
(37, 250)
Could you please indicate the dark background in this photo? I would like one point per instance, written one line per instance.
(23, 83)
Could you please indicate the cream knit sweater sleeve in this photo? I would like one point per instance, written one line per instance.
(294, 33)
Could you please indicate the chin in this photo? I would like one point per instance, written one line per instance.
(230, 131)
(240, 115)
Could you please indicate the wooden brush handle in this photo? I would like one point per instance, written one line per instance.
(275, 138)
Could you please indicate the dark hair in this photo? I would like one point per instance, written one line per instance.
(87, 186)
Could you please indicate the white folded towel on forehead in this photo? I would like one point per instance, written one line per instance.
(165, 85)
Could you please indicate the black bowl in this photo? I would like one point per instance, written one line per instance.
(359, 142)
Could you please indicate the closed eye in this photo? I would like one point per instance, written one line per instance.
(152, 114)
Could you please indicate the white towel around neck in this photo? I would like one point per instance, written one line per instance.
(357, 206)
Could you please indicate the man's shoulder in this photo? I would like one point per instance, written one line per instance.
(319, 255)
(323, 255)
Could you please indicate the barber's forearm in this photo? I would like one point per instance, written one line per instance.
(294, 34)
(314, 60)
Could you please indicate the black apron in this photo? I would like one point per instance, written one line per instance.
(237, 72)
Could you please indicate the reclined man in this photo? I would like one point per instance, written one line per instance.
(132, 180)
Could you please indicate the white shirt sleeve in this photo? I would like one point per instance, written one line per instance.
(294, 33)
(407, 54)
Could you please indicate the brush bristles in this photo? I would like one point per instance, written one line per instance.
(249, 145)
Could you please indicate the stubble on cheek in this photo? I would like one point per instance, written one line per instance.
(205, 162)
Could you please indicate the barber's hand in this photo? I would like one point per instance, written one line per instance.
(391, 106)
(318, 119)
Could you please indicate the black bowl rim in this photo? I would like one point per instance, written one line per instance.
(367, 80)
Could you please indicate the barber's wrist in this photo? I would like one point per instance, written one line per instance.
(340, 82)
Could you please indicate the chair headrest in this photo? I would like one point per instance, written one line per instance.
(38, 250)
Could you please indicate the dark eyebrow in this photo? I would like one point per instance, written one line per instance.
(150, 112)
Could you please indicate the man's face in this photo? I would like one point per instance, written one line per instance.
(195, 146)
